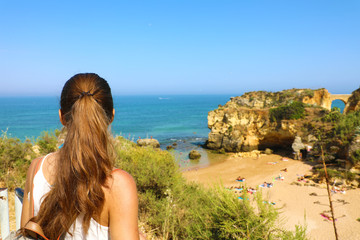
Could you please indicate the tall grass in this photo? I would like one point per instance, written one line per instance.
(171, 208)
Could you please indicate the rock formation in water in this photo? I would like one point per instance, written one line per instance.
(194, 154)
(148, 142)
(244, 123)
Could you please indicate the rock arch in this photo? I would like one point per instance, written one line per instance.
(343, 97)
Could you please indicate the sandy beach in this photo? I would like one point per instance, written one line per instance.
(295, 202)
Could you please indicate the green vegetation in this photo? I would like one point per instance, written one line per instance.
(15, 160)
(347, 126)
(174, 209)
(230, 129)
(16, 156)
(294, 110)
(309, 92)
(333, 173)
(47, 142)
(169, 207)
(334, 116)
(349, 176)
(218, 151)
(355, 157)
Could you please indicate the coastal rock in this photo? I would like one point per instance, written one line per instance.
(354, 151)
(243, 124)
(268, 151)
(263, 99)
(36, 149)
(254, 153)
(194, 154)
(353, 103)
(311, 138)
(297, 144)
(148, 142)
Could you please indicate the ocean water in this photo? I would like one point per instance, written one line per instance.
(339, 104)
(179, 118)
(163, 118)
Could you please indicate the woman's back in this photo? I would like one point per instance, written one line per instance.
(77, 184)
(42, 186)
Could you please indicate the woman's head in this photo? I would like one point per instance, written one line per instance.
(85, 161)
(86, 87)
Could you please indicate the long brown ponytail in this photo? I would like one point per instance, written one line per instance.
(84, 161)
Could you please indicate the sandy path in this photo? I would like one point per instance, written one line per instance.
(294, 201)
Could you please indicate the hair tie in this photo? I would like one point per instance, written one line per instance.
(85, 94)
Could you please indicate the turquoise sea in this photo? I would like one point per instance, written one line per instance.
(163, 117)
(177, 118)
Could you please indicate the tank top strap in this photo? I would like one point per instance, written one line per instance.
(42, 162)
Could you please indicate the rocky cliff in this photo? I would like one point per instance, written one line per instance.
(244, 123)
(353, 103)
(263, 99)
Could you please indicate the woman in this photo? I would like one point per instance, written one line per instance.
(76, 190)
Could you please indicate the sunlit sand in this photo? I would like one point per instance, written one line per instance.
(296, 200)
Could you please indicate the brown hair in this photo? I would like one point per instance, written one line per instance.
(84, 161)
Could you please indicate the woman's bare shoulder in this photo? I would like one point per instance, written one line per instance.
(122, 181)
(123, 206)
(122, 194)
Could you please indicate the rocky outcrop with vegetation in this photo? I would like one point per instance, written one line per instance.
(353, 103)
(258, 120)
(263, 99)
(264, 119)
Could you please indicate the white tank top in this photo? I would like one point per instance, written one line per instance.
(96, 231)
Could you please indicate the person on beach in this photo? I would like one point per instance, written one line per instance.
(76, 191)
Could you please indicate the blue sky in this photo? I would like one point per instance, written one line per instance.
(180, 47)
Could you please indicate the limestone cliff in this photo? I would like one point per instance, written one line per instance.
(353, 103)
(262, 99)
(243, 124)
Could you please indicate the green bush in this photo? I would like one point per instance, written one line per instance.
(47, 142)
(15, 158)
(300, 233)
(174, 209)
(309, 92)
(294, 110)
(348, 125)
(333, 116)
(155, 170)
(349, 176)
(170, 207)
(332, 173)
(355, 157)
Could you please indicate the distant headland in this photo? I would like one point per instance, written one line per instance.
(260, 120)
